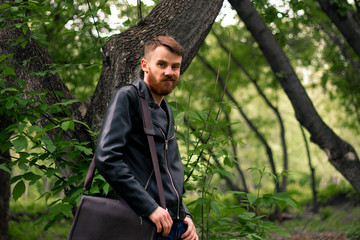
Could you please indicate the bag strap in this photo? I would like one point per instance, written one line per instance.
(150, 132)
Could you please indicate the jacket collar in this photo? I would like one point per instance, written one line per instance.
(142, 87)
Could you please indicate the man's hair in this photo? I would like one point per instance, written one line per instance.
(170, 43)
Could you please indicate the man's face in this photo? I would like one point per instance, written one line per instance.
(161, 71)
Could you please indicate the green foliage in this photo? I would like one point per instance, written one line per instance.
(23, 215)
(36, 155)
(333, 191)
(216, 212)
(355, 234)
(344, 219)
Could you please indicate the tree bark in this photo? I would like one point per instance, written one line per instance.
(188, 22)
(340, 153)
(346, 22)
(4, 186)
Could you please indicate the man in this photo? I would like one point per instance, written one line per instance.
(123, 156)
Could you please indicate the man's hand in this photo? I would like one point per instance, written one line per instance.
(161, 218)
(190, 233)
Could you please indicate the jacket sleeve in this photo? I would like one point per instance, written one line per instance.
(187, 212)
(110, 157)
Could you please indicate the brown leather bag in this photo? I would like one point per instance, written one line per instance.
(99, 218)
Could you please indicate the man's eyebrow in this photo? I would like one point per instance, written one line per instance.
(163, 61)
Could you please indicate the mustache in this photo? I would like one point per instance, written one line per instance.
(171, 78)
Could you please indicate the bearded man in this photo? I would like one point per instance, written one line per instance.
(123, 156)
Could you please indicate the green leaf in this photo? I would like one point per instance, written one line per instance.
(25, 28)
(179, 119)
(126, 23)
(31, 176)
(5, 56)
(15, 179)
(247, 216)
(22, 102)
(10, 103)
(51, 148)
(106, 188)
(223, 172)
(215, 208)
(5, 168)
(51, 172)
(23, 166)
(20, 143)
(23, 44)
(3, 6)
(8, 70)
(48, 143)
(25, 62)
(251, 198)
(66, 209)
(287, 199)
(87, 151)
(65, 125)
(2, 83)
(18, 190)
(228, 162)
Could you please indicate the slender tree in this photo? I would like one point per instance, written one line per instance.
(340, 153)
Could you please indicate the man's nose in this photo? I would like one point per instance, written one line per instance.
(169, 71)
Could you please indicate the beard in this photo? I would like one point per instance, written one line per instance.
(163, 86)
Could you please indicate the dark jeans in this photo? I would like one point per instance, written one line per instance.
(178, 228)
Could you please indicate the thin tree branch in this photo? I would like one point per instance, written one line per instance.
(248, 121)
(139, 10)
(219, 110)
(312, 171)
(267, 101)
(236, 159)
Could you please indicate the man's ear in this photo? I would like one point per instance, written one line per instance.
(144, 64)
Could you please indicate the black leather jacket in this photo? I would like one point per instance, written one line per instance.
(123, 155)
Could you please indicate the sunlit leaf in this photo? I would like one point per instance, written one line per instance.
(20, 143)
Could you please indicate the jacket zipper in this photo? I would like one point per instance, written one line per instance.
(148, 181)
(168, 171)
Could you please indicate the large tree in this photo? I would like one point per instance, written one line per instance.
(188, 21)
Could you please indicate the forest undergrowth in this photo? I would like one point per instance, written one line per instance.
(338, 218)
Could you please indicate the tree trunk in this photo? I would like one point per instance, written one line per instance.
(4, 186)
(188, 22)
(340, 154)
(344, 19)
